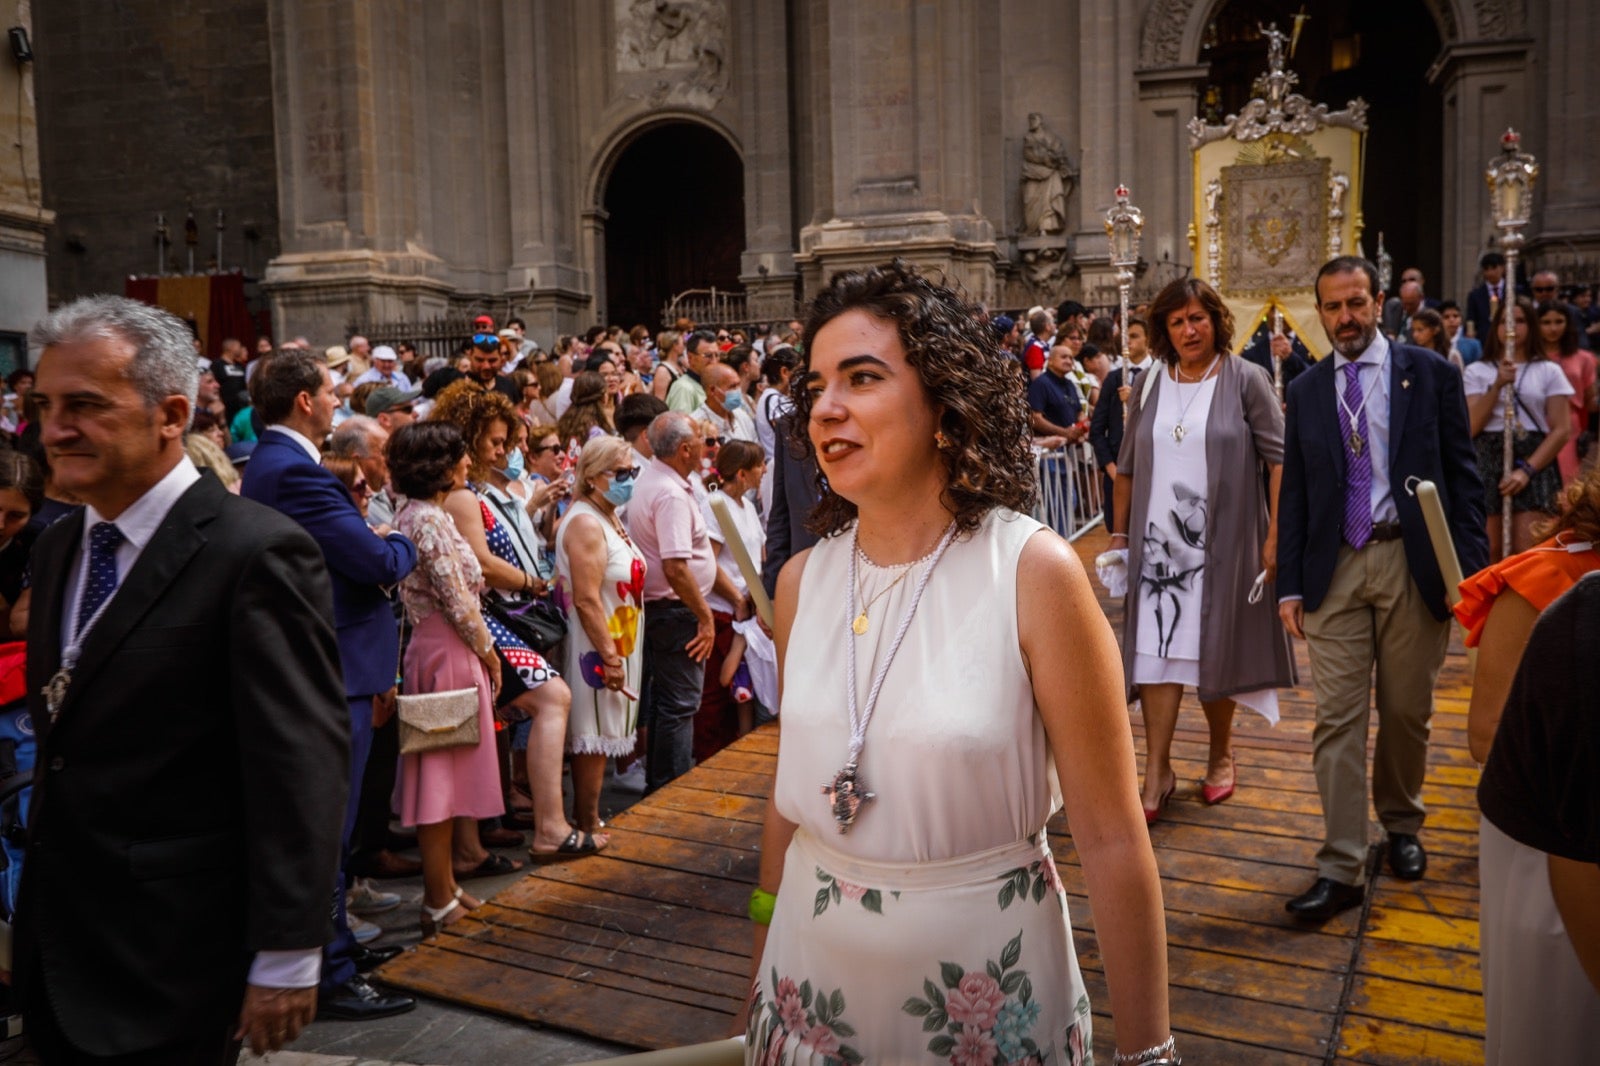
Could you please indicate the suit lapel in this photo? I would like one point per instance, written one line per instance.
(175, 542)
(1401, 375)
(1325, 404)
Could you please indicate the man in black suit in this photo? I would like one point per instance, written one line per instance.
(1357, 577)
(1105, 425)
(794, 495)
(183, 678)
(1485, 298)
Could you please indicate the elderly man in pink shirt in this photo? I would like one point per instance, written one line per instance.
(667, 524)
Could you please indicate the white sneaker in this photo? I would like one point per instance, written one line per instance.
(364, 898)
(365, 932)
(632, 780)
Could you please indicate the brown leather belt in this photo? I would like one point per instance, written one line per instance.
(1382, 531)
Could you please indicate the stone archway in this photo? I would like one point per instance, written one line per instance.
(668, 215)
(1482, 73)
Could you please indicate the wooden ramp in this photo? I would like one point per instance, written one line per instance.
(647, 944)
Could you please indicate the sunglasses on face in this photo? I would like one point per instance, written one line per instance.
(625, 475)
(723, 337)
(542, 448)
(713, 440)
(361, 488)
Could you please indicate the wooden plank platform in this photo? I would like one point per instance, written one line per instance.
(647, 945)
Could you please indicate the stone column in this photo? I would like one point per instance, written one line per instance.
(766, 268)
(1567, 198)
(352, 197)
(904, 102)
(1485, 89)
(1106, 52)
(546, 279)
(24, 220)
(1168, 99)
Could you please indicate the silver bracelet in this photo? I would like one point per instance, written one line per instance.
(1163, 1054)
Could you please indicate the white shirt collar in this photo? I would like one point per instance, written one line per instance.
(300, 439)
(144, 516)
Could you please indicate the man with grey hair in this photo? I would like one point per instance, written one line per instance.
(364, 439)
(667, 525)
(183, 679)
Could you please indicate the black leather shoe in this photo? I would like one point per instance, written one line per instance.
(360, 1001)
(1406, 857)
(1325, 899)
(367, 958)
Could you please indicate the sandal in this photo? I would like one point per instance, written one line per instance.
(461, 897)
(576, 846)
(491, 866)
(435, 919)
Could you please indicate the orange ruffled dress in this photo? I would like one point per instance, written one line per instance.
(1539, 575)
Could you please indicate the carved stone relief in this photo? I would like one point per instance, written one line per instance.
(683, 43)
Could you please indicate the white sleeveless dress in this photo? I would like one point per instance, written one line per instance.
(936, 930)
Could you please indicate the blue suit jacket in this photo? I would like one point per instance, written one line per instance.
(281, 475)
(1428, 439)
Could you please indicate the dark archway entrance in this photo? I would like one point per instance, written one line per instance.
(675, 207)
(1381, 53)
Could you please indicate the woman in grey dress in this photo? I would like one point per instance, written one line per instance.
(1189, 489)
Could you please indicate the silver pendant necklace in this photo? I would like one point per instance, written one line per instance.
(847, 794)
(1178, 430)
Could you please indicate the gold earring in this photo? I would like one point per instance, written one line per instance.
(941, 441)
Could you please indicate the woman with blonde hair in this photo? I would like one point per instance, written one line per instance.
(601, 585)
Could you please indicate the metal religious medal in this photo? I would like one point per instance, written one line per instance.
(1178, 432)
(846, 796)
(55, 691)
(1356, 443)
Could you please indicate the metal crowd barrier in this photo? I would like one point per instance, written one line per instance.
(1070, 500)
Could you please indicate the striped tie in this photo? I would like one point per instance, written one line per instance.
(1357, 462)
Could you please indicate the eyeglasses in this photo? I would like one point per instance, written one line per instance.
(625, 475)
(723, 337)
(713, 440)
(361, 488)
(542, 448)
(1544, 288)
(486, 338)
(404, 409)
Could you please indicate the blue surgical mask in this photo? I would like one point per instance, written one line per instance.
(514, 465)
(733, 399)
(619, 492)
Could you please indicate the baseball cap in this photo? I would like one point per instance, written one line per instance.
(483, 322)
(1002, 325)
(383, 351)
(387, 399)
(238, 452)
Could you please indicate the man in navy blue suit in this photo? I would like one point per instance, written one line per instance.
(295, 396)
(1357, 577)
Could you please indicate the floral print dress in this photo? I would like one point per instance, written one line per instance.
(936, 930)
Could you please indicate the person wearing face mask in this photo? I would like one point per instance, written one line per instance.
(724, 407)
(601, 586)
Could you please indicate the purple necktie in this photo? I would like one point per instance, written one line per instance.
(1357, 462)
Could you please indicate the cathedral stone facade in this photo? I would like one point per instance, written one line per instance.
(435, 157)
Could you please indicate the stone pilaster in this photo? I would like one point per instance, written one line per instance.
(24, 220)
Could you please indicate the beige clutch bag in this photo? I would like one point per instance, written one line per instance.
(434, 720)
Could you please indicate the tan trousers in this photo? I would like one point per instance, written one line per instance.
(1373, 614)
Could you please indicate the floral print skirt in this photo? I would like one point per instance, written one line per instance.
(968, 961)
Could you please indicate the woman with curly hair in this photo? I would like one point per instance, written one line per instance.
(1201, 535)
(978, 628)
(592, 405)
(533, 695)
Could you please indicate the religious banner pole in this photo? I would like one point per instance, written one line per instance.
(1511, 176)
(1124, 224)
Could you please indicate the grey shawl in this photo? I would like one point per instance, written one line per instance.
(1243, 647)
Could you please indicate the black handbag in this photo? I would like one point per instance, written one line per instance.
(536, 623)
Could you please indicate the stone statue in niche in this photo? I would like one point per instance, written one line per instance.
(1048, 177)
(686, 37)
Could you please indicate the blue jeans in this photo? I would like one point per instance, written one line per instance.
(672, 685)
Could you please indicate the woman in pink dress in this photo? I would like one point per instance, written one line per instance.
(441, 791)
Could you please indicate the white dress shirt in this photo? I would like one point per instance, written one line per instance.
(138, 523)
(306, 444)
(1375, 374)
